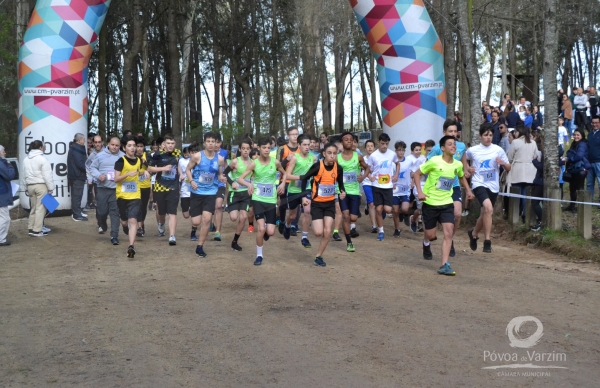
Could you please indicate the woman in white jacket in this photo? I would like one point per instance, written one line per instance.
(37, 176)
(521, 153)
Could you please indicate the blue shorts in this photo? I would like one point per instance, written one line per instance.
(351, 203)
(368, 194)
(398, 200)
(456, 194)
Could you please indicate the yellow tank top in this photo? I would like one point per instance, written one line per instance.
(129, 188)
(145, 183)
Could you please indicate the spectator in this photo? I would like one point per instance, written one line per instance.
(567, 112)
(92, 184)
(520, 155)
(528, 117)
(559, 98)
(323, 140)
(505, 137)
(581, 105)
(7, 174)
(76, 174)
(458, 119)
(496, 123)
(576, 164)
(594, 156)
(538, 185)
(563, 135)
(505, 102)
(538, 119)
(37, 176)
(594, 102)
(512, 117)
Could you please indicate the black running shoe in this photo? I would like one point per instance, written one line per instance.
(258, 260)
(293, 231)
(280, 227)
(336, 237)
(140, 232)
(487, 246)
(114, 241)
(200, 251)
(130, 251)
(235, 246)
(406, 220)
(366, 210)
(427, 255)
(396, 233)
(354, 233)
(472, 240)
(266, 236)
(126, 230)
(374, 230)
(286, 232)
(319, 262)
(452, 251)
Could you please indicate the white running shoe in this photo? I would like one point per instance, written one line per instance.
(46, 230)
(161, 229)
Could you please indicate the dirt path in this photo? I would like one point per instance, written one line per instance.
(74, 311)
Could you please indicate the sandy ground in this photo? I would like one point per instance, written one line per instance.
(74, 311)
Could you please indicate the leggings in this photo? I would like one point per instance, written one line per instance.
(144, 208)
(536, 204)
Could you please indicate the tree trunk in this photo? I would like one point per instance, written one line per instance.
(374, 92)
(134, 45)
(465, 27)
(310, 53)
(175, 80)
(325, 97)
(449, 60)
(492, 53)
(568, 70)
(536, 67)
(552, 219)
(187, 69)
(217, 87)
(504, 64)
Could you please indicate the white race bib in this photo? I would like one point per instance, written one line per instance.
(171, 174)
(129, 187)
(326, 190)
(265, 190)
(206, 178)
(445, 184)
(350, 177)
(489, 175)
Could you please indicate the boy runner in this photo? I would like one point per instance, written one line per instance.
(184, 191)
(202, 171)
(381, 164)
(487, 159)
(285, 155)
(166, 187)
(299, 165)
(221, 192)
(145, 185)
(437, 198)
(351, 163)
(129, 199)
(451, 129)
(401, 188)
(414, 219)
(239, 199)
(325, 174)
(368, 189)
(264, 193)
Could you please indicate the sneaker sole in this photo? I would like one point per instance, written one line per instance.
(447, 274)
(130, 253)
(172, 243)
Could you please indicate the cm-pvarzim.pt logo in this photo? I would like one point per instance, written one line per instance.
(524, 357)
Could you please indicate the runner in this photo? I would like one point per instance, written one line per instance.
(414, 219)
(368, 188)
(351, 163)
(184, 191)
(451, 129)
(401, 191)
(129, 199)
(239, 199)
(264, 193)
(487, 159)
(202, 171)
(285, 155)
(166, 187)
(221, 192)
(299, 165)
(145, 185)
(437, 199)
(325, 174)
(381, 164)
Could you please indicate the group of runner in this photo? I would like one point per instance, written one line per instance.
(322, 186)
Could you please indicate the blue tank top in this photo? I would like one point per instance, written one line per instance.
(206, 175)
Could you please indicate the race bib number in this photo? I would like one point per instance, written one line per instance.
(265, 190)
(489, 176)
(403, 189)
(326, 190)
(129, 187)
(350, 177)
(110, 175)
(206, 178)
(383, 179)
(171, 174)
(142, 178)
(445, 184)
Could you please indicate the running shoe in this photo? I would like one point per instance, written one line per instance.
(217, 236)
(354, 233)
(427, 255)
(172, 241)
(465, 213)
(536, 228)
(84, 215)
(446, 270)
(130, 252)
(401, 217)
(452, 251)
(380, 236)
(286, 232)
(266, 236)
(101, 230)
(161, 229)
(336, 237)
(114, 241)
(258, 260)
(366, 210)
(280, 227)
(126, 230)
(319, 262)
(293, 231)
(250, 228)
(235, 246)
(306, 243)
(396, 233)
(413, 224)
(212, 228)
(487, 246)
(46, 230)
(79, 218)
(350, 247)
(200, 251)
(140, 232)
(374, 230)
(472, 240)
(193, 236)
(5, 244)
(38, 234)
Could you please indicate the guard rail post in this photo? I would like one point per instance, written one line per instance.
(584, 214)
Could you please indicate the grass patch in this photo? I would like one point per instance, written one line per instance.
(565, 242)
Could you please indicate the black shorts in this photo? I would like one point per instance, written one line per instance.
(239, 200)
(320, 210)
(456, 194)
(185, 204)
(482, 193)
(129, 208)
(295, 199)
(166, 201)
(433, 214)
(266, 211)
(383, 197)
(221, 192)
(201, 203)
(351, 203)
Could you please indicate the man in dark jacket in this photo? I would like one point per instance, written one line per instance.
(76, 173)
(7, 174)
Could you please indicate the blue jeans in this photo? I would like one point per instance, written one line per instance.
(593, 176)
(523, 187)
(567, 124)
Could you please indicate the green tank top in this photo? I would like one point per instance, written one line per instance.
(264, 182)
(300, 168)
(234, 175)
(351, 169)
